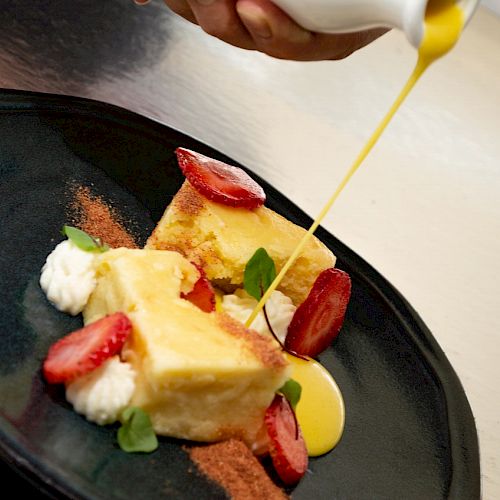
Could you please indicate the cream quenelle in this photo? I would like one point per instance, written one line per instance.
(68, 277)
(279, 309)
(104, 393)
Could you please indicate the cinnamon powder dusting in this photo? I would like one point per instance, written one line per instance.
(232, 465)
(262, 346)
(94, 216)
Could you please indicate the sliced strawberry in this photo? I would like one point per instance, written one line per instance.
(317, 321)
(84, 350)
(202, 295)
(220, 182)
(286, 444)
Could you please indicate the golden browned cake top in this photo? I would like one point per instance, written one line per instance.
(262, 347)
(188, 201)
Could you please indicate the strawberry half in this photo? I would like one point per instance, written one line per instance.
(202, 295)
(220, 182)
(286, 445)
(84, 350)
(317, 321)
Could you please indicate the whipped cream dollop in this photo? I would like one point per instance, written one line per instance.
(279, 307)
(104, 393)
(68, 277)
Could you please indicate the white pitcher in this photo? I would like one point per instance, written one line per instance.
(342, 16)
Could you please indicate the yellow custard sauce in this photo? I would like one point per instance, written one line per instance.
(322, 423)
(320, 410)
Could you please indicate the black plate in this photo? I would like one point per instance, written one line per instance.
(409, 434)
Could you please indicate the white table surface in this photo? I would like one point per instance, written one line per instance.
(425, 208)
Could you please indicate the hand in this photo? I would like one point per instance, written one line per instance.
(260, 25)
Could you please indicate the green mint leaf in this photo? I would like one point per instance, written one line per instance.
(260, 272)
(292, 391)
(136, 433)
(82, 240)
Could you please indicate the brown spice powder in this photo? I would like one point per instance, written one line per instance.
(188, 201)
(232, 465)
(262, 346)
(94, 216)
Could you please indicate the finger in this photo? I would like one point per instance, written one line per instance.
(182, 8)
(219, 18)
(278, 35)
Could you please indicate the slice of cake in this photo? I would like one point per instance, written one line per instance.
(200, 376)
(222, 239)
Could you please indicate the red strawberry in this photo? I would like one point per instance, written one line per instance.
(202, 295)
(220, 182)
(317, 321)
(84, 350)
(286, 444)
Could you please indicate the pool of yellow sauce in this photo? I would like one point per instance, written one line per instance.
(321, 410)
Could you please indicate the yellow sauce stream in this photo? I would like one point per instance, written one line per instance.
(321, 423)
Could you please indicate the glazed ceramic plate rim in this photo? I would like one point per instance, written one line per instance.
(453, 394)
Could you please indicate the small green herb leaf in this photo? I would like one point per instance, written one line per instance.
(82, 240)
(292, 391)
(260, 272)
(136, 433)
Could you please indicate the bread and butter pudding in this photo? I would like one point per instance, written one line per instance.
(200, 376)
(222, 239)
